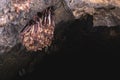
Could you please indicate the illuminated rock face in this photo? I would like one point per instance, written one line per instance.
(23, 5)
(104, 12)
(40, 34)
(13, 56)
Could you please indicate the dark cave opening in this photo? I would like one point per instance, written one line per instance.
(78, 39)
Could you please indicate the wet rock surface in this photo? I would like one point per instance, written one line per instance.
(80, 24)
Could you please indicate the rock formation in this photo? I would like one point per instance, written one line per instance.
(16, 14)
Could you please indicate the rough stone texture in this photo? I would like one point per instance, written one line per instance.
(105, 12)
(14, 57)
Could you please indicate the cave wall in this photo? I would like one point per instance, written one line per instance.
(13, 55)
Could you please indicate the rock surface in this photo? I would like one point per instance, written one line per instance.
(14, 57)
(105, 12)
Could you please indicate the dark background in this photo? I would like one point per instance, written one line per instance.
(78, 39)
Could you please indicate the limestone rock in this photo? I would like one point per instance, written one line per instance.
(14, 57)
(104, 12)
